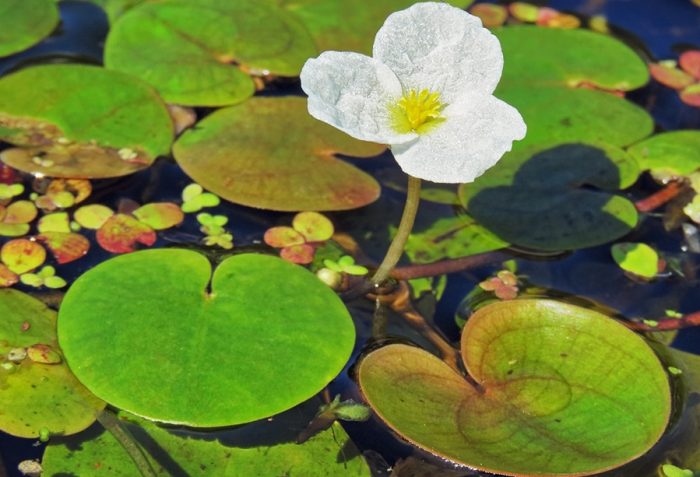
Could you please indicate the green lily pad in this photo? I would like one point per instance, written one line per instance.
(543, 200)
(675, 153)
(329, 453)
(637, 258)
(116, 8)
(269, 153)
(37, 396)
(77, 121)
(186, 49)
(344, 25)
(24, 23)
(549, 74)
(562, 390)
(451, 237)
(154, 333)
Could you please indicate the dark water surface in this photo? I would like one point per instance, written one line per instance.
(658, 28)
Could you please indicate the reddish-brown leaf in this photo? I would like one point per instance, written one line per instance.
(120, 233)
(65, 247)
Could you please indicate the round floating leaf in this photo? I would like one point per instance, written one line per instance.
(81, 121)
(283, 237)
(120, 233)
(65, 247)
(491, 15)
(451, 237)
(186, 49)
(93, 216)
(348, 24)
(22, 255)
(7, 277)
(24, 23)
(670, 76)
(691, 95)
(269, 153)
(637, 258)
(38, 396)
(142, 332)
(313, 226)
(160, 215)
(330, 453)
(543, 199)
(690, 62)
(563, 390)
(674, 153)
(548, 75)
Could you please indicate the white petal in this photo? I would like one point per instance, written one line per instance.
(441, 48)
(477, 131)
(353, 92)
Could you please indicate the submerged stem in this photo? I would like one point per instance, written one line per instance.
(397, 245)
(110, 422)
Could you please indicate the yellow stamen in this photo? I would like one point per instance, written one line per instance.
(417, 111)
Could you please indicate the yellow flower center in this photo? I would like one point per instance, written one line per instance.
(417, 111)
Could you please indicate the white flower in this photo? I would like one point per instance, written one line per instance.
(427, 92)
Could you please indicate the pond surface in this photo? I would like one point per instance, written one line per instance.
(587, 276)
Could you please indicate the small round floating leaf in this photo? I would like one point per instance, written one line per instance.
(93, 216)
(542, 199)
(491, 15)
(674, 153)
(24, 23)
(38, 396)
(65, 247)
(121, 232)
(200, 355)
(544, 73)
(283, 236)
(22, 255)
(186, 49)
(566, 391)
(302, 254)
(20, 212)
(56, 222)
(690, 62)
(637, 258)
(525, 12)
(160, 215)
(269, 153)
(7, 277)
(691, 95)
(313, 226)
(670, 76)
(74, 120)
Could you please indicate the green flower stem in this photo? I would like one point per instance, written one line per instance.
(111, 422)
(397, 245)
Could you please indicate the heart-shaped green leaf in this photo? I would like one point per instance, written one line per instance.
(186, 48)
(78, 121)
(237, 453)
(24, 23)
(37, 396)
(548, 75)
(561, 390)
(143, 332)
(269, 153)
(674, 153)
(347, 24)
(542, 199)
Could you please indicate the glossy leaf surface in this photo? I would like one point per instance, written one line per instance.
(38, 396)
(563, 391)
(269, 153)
(556, 199)
(77, 121)
(170, 346)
